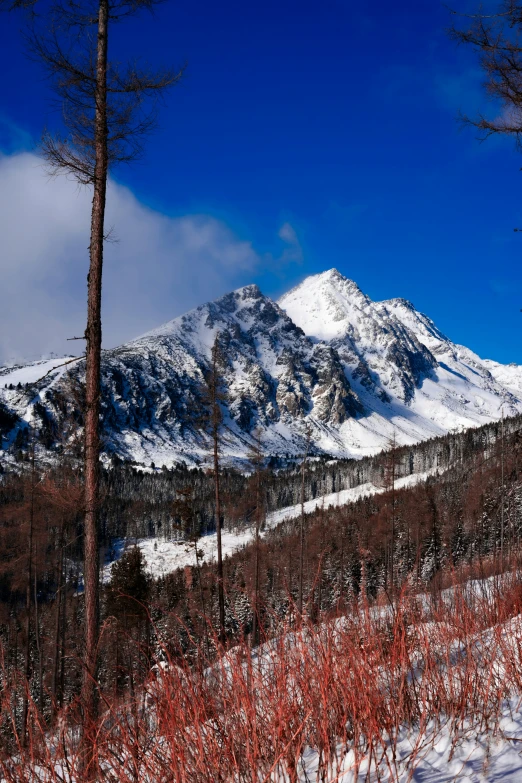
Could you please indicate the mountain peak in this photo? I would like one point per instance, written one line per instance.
(323, 305)
(400, 301)
(251, 291)
(332, 276)
(356, 370)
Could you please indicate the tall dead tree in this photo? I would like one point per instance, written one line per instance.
(183, 509)
(103, 110)
(28, 596)
(215, 396)
(256, 459)
(390, 469)
(14, 5)
(300, 599)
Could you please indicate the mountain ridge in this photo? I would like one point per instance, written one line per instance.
(360, 374)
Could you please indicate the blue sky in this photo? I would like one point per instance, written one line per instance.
(318, 135)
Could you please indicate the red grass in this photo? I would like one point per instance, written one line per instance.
(348, 686)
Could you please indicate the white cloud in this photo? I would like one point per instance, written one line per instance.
(159, 268)
(287, 234)
(293, 253)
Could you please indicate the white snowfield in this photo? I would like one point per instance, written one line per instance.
(163, 557)
(47, 372)
(343, 497)
(31, 373)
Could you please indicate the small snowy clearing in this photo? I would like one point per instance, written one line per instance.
(163, 557)
(343, 497)
(30, 373)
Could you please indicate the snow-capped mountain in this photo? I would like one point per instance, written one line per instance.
(357, 373)
(412, 381)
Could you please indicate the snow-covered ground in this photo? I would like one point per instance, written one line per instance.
(459, 684)
(481, 745)
(482, 759)
(30, 373)
(343, 497)
(163, 557)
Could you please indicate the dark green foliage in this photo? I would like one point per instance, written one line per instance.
(8, 419)
(128, 592)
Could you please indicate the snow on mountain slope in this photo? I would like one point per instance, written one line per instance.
(380, 351)
(508, 375)
(154, 386)
(359, 373)
(410, 377)
(23, 386)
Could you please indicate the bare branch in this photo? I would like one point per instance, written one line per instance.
(497, 40)
(66, 47)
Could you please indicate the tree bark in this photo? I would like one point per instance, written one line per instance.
(37, 638)
(302, 533)
(215, 437)
(29, 586)
(259, 512)
(57, 625)
(221, 592)
(93, 336)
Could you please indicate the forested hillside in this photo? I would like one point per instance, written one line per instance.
(461, 517)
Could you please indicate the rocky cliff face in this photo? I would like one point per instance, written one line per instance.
(376, 347)
(357, 373)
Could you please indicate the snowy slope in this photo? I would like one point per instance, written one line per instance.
(13, 375)
(165, 556)
(23, 387)
(360, 373)
(273, 375)
(412, 380)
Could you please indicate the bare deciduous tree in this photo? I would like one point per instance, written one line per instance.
(183, 508)
(215, 395)
(103, 112)
(256, 459)
(497, 40)
(308, 435)
(29, 588)
(14, 5)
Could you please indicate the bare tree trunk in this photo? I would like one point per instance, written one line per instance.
(216, 418)
(202, 597)
(259, 512)
(38, 645)
(29, 588)
(57, 625)
(63, 632)
(502, 495)
(393, 518)
(93, 336)
(321, 555)
(302, 532)
(221, 592)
